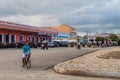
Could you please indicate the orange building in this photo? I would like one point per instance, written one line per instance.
(18, 33)
(66, 32)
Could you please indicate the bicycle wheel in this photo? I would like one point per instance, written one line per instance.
(28, 64)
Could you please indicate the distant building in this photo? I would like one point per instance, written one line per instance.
(18, 33)
(66, 32)
(50, 30)
(93, 37)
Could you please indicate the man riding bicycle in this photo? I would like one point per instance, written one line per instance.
(26, 52)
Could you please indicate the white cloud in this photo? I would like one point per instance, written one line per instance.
(92, 15)
(36, 20)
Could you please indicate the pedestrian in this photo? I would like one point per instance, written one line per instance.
(78, 45)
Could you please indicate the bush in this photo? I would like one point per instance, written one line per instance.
(19, 45)
(1, 45)
(12, 45)
(32, 45)
(88, 44)
(71, 44)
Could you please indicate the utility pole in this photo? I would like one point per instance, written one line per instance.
(87, 35)
(104, 39)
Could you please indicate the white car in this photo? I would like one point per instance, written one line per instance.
(50, 44)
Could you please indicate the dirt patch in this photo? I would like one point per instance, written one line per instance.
(111, 55)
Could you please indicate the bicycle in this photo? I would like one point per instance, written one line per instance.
(27, 63)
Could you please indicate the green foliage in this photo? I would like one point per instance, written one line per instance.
(78, 40)
(85, 37)
(1, 45)
(113, 37)
(99, 39)
(71, 44)
(83, 41)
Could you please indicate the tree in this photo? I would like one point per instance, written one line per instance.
(99, 39)
(113, 37)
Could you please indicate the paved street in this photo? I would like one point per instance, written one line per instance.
(42, 61)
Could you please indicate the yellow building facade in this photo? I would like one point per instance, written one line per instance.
(66, 32)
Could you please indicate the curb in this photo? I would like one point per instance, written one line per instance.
(61, 70)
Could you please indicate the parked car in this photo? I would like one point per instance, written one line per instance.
(56, 43)
(64, 44)
(50, 44)
(32, 45)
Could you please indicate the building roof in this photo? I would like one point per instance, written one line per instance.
(48, 29)
(15, 26)
(68, 26)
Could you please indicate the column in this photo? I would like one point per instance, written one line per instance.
(40, 38)
(9, 37)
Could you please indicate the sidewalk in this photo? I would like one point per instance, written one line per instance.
(104, 63)
(42, 75)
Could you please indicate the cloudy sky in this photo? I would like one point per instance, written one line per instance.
(86, 15)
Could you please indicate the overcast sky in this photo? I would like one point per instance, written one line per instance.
(86, 15)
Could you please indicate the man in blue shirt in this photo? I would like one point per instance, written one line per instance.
(26, 52)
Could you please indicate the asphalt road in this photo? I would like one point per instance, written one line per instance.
(10, 59)
(42, 62)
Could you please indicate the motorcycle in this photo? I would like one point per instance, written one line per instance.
(44, 46)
